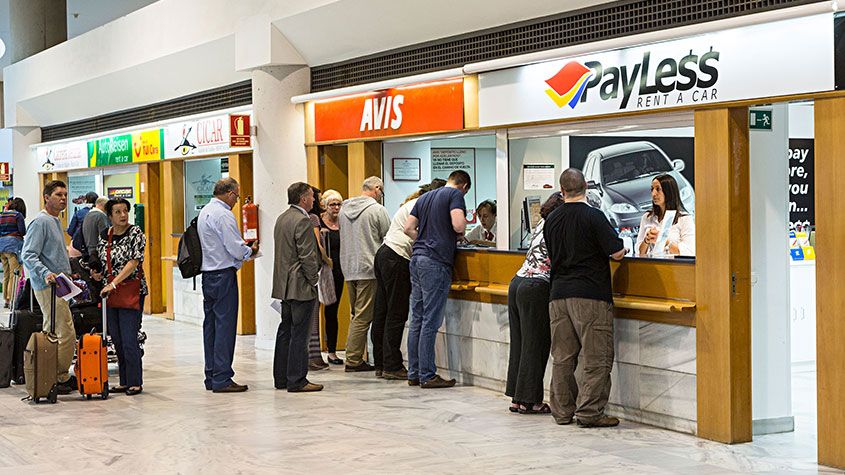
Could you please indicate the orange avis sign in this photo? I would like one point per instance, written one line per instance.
(422, 108)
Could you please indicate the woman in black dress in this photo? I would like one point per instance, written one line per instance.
(330, 232)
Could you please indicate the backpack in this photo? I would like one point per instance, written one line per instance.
(189, 256)
(78, 242)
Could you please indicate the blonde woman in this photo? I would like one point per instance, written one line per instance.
(330, 233)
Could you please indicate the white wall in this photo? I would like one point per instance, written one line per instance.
(770, 336)
(85, 15)
(535, 150)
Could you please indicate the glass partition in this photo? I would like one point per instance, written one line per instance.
(200, 177)
(632, 170)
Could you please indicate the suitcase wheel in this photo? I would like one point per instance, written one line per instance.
(105, 393)
(88, 396)
(53, 396)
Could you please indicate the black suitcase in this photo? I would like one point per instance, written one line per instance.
(7, 345)
(87, 319)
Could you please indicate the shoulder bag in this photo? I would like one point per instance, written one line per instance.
(127, 294)
(325, 283)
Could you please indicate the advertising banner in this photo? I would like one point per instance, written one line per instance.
(420, 108)
(146, 146)
(64, 156)
(115, 150)
(197, 137)
(802, 200)
(773, 59)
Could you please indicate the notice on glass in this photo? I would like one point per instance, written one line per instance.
(406, 169)
(446, 160)
(538, 176)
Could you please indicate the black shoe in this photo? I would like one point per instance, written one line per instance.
(72, 382)
(63, 389)
(414, 382)
(601, 421)
(401, 374)
(380, 373)
(132, 391)
(364, 366)
(437, 382)
(121, 389)
(232, 388)
(337, 361)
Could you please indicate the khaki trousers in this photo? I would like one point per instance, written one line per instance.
(362, 297)
(580, 327)
(10, 265)
(64, 329)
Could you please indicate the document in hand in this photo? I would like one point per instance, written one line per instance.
(660, 244)
(65, 288)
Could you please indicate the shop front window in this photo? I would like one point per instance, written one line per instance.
(631, 170)
(409, 164)
(200, 177)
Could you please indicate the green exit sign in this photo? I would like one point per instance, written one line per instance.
(760, 120)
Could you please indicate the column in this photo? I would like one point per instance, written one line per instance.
(172, 223)
(364, 162)
(150, 175)
(240, 168)
(722, 275)
(278, 161)
(830, 278)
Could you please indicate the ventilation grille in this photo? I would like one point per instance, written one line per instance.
(603, 22)
(234, 95)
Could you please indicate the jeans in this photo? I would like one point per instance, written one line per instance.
(528, 315)
(220, 302)
(430, 282)
(393, 291)
(124, 325)
(290, 360)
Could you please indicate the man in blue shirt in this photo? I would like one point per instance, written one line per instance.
(223, 253)
(44, 257)
(437, 221)
(75, 226)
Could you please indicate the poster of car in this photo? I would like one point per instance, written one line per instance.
(619, 172)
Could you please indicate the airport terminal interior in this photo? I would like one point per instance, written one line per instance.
(391, 237)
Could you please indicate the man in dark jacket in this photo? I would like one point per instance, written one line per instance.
(295, 271)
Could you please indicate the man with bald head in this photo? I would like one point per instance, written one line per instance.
(580, 241)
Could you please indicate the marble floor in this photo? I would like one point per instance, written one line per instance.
(357, 425)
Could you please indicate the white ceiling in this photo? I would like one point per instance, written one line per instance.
(346, 29)
(85, 15)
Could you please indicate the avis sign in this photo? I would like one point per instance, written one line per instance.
(424, 108)
(773, 59)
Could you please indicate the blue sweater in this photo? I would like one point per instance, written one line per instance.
(44, 250)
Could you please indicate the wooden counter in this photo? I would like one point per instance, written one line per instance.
(656, 290)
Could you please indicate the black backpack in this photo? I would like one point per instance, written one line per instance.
(189, 257)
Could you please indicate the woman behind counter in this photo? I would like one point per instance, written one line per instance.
(121, 250)
(665, 196)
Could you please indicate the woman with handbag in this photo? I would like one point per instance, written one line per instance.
(315, 355)
(330, 232)
(121, 250)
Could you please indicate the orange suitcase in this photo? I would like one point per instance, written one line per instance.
(92, 362)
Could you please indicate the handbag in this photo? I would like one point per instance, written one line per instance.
(325, 283)
(127, 294)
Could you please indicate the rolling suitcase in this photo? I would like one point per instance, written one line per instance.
(92, 362)
(27, 321)
(7, 345)
(41, 360)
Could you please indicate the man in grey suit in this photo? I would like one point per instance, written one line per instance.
(295, 271)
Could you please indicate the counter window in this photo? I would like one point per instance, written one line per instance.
(200, 177)
(409, 164)
(638, 175)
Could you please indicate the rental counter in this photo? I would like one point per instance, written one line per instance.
(654, 370)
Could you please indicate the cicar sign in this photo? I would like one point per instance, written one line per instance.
(422, 108)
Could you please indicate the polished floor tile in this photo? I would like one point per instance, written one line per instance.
(358, 424)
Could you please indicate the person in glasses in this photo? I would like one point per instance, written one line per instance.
(330, 233)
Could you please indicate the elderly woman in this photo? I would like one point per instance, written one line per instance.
(121, 250)
(330, 235)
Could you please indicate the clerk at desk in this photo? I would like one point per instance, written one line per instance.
(485, 233)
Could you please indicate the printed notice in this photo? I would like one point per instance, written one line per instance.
(538, 176)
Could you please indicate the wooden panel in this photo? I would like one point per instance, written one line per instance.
(830, 272)
(150, 176)
(654, 278)
(334, 167)
(364, 162)
(172, 221)
(240, 168)
(471, 102)
(312, 162)
(309, 122)
(722, 275)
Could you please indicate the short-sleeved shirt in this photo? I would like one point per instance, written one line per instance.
(125, 247)
(436, 238)
(580, 239)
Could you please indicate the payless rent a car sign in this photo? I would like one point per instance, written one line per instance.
(716, 67)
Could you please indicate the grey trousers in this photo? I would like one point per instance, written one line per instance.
(580, 327)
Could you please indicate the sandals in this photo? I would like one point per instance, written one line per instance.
(529, 409)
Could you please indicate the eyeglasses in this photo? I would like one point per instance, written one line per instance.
(334, 204)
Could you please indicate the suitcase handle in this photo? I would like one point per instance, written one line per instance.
(105, 332)
(53, 308)
(13, 320)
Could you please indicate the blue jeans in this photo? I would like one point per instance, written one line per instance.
(220, 302)
(124, 325)
(430, 281)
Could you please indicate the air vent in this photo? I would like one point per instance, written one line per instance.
(603, 22)
(234, 95)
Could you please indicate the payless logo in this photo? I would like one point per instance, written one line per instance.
(672, 82)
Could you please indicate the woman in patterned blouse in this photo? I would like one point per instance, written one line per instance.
(528, 314)
(127, 255)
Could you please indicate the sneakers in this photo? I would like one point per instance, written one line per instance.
(437, 382)
(364, 366)
(399, 375)
(601, 421)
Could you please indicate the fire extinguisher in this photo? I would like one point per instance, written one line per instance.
(249, 212)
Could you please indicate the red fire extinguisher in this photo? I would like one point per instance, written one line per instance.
(249, 212)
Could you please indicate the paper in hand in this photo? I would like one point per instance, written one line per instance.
(65, 288)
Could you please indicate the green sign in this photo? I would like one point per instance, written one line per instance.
(760, 120)
(115, 150)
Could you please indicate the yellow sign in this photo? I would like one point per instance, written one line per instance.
(147, 146)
